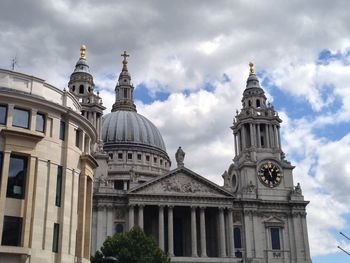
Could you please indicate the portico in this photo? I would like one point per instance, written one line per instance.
(185, 224)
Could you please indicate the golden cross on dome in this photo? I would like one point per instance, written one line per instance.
(83, 51)
(251, 70)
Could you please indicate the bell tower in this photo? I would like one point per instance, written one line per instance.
(259, 168)
(272, 216)
(81, 84)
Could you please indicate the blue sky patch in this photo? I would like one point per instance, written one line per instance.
(326, 56)
(143, 94)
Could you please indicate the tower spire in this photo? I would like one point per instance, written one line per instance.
(124, 91)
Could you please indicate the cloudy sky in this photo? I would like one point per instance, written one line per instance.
(189, 63)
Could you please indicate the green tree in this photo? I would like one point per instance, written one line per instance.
(131, 247)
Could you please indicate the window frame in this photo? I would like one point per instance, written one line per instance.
(44, 122)
(235, 238)
(6, 111)
(5, 235)
(275, 243)
(77, 138)
(14, 118)
(9, 193)
(55, 237)
(62, 134)
(59, 182)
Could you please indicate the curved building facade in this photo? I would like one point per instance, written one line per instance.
(46, 172)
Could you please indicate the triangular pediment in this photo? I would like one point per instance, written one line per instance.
(181, 181)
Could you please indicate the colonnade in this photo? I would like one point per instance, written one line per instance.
(225, 239)
(271, 135)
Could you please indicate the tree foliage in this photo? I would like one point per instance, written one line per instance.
(131, 247)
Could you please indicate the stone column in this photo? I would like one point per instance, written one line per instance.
(3, 186)
(125, 185)
(110, 228)
(244, 142)
(170, 231)
(161, 227)
(193, 232)
(203, 234)
(101, 225)
(222, 245)
(305, 236)
(251, 135)
(231, 250)
(279, 138)
(239, 146)
(235, 144)
(131, 216)
(141, 216)
(267, 133)
(258, 135)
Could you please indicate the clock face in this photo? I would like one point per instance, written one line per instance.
(270, 175)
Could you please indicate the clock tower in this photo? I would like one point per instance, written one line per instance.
(270, 209)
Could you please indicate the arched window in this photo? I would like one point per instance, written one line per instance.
(125, 93)
(119, 228)
(257, 103)
(89, 89)
(81, 89)
(249, 103)
(73, 88)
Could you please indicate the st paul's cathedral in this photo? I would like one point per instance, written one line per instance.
(258, 215)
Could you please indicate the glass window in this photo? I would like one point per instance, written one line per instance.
(110, 156)
(3, 114)
(119, 228)
(129, 156)
(17, 177)
(120, 155)
(1, 160)
(139, 157)
(275, 238)
(237, 237)
(147, 158)
(56, 235)
(125, 93)
(118, 185)
(12, 231)
(81, 89)
(59, 185)
(40, 122)
(62, 130)
(20, 118)
(77, 138)
(155, 159)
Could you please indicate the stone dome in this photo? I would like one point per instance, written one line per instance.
(129, 127)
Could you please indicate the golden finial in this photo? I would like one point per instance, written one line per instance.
(251, 70)
(83, 52)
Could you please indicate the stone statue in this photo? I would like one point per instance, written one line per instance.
(297, 189)
(133, 176)
(180, 156)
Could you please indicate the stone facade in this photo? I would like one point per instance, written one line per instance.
(258, 215)
(46, 173)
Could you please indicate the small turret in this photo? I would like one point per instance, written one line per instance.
(124, 91)
(253, 95)
(81, 84)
